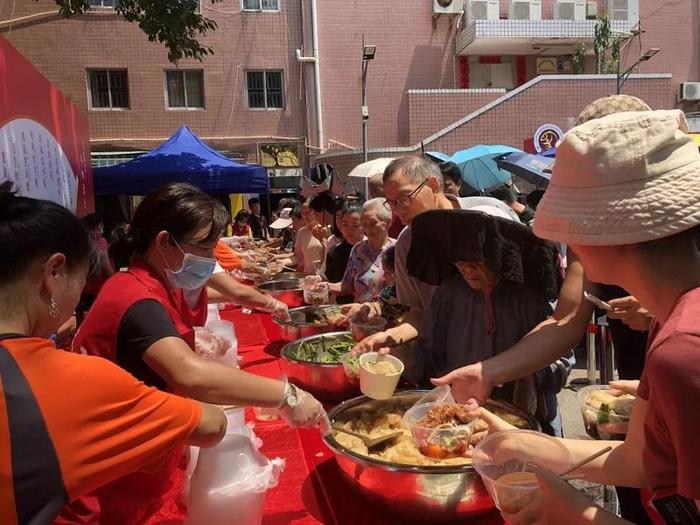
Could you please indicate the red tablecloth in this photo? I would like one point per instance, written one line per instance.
(311, 488)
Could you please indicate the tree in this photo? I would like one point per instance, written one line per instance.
(174, 23)
(578, 59)
(601, 44)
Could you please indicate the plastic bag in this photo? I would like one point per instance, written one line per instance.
(229, 484)
(226, 331)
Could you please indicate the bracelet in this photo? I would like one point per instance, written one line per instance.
(287, 392)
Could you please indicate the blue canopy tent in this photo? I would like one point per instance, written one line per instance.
(181, 158)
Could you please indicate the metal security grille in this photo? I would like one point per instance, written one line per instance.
(265, 89)
(109, 89)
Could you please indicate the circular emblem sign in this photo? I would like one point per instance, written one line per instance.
(546, 137)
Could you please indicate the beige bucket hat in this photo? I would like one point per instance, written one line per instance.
(626, 178)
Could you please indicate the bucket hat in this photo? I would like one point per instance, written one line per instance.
(622, 179)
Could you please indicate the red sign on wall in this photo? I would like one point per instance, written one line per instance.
(44, 138)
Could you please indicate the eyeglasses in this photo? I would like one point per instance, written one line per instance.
(405, 201)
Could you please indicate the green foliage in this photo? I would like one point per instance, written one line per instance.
(173, 23)
(602, 43)
(578, 59)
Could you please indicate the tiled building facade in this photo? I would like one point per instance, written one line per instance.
(447, 81)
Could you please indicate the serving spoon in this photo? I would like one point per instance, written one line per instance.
(368, 441)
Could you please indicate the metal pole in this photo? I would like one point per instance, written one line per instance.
(619, 84)
(365, 118)
(606, 353)
(591, 372)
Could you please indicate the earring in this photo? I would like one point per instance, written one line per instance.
(53, 308)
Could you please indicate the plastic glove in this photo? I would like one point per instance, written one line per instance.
(558, 502)
(469, 384)
(630, 312)
(308, 413)
(208, 344)
(276, 308)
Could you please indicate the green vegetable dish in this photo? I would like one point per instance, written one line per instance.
(326, 350)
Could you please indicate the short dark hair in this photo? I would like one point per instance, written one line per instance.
(503, 193)
(296, 212)
(242, 216)
(534, 198)
(178, 208)
(352, 206)
(33, 228)
(287, 202)
(324, 202)
(451, 171)
(253, 200)
(389, 256)
(91, 221)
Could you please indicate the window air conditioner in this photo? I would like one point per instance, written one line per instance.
(570, 10)
(591, 10)
(690, 91)
(447, 7)
(483, 9)
(618, 9)
(525, 10)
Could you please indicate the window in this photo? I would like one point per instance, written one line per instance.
(109, 88)
(108, 4)
(261, 5)
(185, 88)
(265, 89)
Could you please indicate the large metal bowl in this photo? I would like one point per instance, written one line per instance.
(296, 327)
(325, 381)
(285, 276)
(428, 494)
(289, 291)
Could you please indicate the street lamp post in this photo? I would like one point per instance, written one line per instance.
(622, 77)
(368, 53)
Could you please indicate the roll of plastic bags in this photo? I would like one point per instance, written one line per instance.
(229, 483)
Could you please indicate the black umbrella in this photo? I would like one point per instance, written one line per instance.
(534, 169)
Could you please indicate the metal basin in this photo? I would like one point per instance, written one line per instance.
(289, 291)
(297, 327)
(427, 494)
(285, 276)
(325, 381)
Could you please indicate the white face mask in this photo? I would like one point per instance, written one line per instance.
(194, 272)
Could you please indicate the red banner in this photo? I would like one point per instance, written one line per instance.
(44, 137)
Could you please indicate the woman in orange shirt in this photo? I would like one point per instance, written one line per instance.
(103, 423)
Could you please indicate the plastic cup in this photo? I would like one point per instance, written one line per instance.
(379, 385)
(434, 442)
(600, 424)
(362, 329)
(506, 462)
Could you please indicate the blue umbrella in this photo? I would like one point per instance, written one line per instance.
(479, 168)
(551, 153)
(531, 168)
(437, 156)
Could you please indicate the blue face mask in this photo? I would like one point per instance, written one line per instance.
(194, 272)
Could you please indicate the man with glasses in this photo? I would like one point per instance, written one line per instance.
(413, 185)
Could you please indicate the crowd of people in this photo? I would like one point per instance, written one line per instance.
(478, 290)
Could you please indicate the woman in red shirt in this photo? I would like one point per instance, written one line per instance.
(144, 319)
(69, 423)
(625, 196)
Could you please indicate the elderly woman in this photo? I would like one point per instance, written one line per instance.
(495, 281)
(69, 423)
(364, 275)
